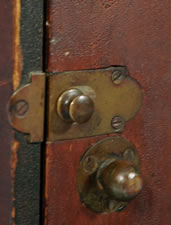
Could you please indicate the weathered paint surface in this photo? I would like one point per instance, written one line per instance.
(85, 34)
(14, 161)
(6, 135)
(16, 78)
(16, 41)
(26, 158)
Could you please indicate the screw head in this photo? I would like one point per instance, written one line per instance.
(21, 108)
(90, 164)
(117, 76)
(118, 124)
(112, 205)
(115, 206)
(129, 154)
(121, 206)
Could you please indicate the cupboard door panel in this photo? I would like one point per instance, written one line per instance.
(94, 34)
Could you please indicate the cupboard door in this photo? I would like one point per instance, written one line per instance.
(96, 34)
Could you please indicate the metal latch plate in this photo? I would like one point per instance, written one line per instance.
(114, 94)
(27, 108)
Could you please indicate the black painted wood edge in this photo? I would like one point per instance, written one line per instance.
(28, 169)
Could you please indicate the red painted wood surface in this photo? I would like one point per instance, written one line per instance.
(93, 34)
(6, 68)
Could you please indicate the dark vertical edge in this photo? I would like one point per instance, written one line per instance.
(43, 153)
(28, 170)
(43, 145)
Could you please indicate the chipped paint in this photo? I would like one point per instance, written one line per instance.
(3, 83)
(14, 160)
(67, 53)
(17, 50)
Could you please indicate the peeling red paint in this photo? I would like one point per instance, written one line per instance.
(14, 160)
(18, 58)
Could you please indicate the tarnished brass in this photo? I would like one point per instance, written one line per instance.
(80, 104)
(111, 99)
(74, 106)
(109, 175)
(120, 180)
(26, 108)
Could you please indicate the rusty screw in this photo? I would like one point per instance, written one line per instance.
(121, 206)
(90, 164)
(21, 108)
(112, 205)
(117, 76)
(115, 206)
(118, 124)
(129, 154)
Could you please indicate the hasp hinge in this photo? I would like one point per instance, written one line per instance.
(27, 108)
(80, 104)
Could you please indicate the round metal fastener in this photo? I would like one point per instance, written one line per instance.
(118, 124)
(121, 180)
(121, 206)
(129, 154)
(21, 108)
(117, 76)
(106, 180)
(90, 164)
(115, 206)
(74, 106)
(64, 101)
(81, 109)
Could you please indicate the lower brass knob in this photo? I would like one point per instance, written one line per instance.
(121, 180)
(109, 175)
(74, 106)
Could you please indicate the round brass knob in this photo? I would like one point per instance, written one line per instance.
(74, 106)
(121, 180)
(109, 175)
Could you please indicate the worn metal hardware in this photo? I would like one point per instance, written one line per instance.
(109, 175)
(74, 106)
(115, 95)
(118, 76)
(26, 108)
(118, 124)
(80, 104)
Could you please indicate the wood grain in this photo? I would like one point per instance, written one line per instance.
(87, 34)
(6, 137)
(92, 34)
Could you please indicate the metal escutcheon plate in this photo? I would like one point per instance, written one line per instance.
(91, 194)
(115, 94)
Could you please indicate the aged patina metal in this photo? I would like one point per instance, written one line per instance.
(80, 104)
(109, 175)
(21, 108)
(74, 106)
(120, 180)
(26, 108)
(123, 99)
(118, 124)
(118, 75)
